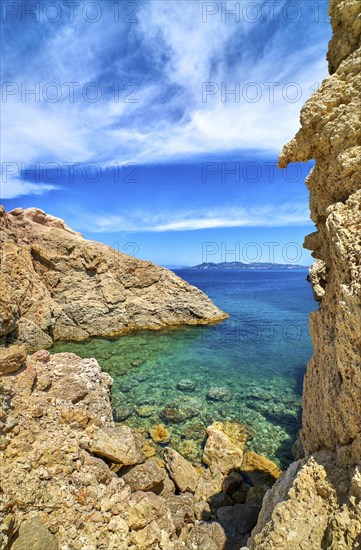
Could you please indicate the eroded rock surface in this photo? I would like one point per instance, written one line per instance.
(72, 479)
(56, 285)
(316, 503)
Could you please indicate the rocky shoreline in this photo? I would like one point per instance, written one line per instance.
(72, 479)
(56, 285)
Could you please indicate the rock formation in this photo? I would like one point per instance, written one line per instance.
(56, 285)
(317, 502)
(72, 479)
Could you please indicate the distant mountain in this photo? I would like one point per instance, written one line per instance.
(250, 266)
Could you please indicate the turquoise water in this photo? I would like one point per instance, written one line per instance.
(248, 368)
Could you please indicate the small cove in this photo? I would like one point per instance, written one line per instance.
(248, 368)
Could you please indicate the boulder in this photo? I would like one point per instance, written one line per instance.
(207, 536)
(142, 508)
(224, 447)
(146, 538)
(12, 358)
(146, 477)
(34, 535)
(181, 508)
(178, 414)
(232, 483)
(209, 484)
(184, 475)
(259, 468)
(121, 445)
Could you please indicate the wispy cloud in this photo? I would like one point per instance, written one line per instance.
(187, 220)
(169, 55)
(16, 187)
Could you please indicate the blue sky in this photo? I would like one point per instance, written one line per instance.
(155, 126)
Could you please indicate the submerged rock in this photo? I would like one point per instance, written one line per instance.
(189, 449)
(186, 385)
(121, 413)
(145, 411)
(177, 415)
(217, 394)
(195, 430)
(159, 434)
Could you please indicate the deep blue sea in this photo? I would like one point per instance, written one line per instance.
(248, 368)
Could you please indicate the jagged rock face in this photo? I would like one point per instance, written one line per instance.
(331, 134)
(56, 285)
(316, 503)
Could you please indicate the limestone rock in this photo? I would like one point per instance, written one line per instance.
(12, 358)
(330, 133)
(34, 535)
(224, 447)
(182, 509)
(147, 538)
(209, 484)
(181, 471)
(306, 506)
(56, 285)
(120, 444)
(88, 480)
(237, 520)
(260, 468)
(313, 504)
(146, 477)
(209, 536)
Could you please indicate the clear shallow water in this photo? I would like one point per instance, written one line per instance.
(256, 359)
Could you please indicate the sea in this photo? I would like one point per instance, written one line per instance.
(248, 368)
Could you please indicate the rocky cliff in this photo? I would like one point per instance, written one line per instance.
(56, 285)
(317, 502)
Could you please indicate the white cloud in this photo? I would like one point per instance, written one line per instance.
(186, 220)
(195, 53)
(16, 188)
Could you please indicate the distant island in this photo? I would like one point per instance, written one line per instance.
(249, 266)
